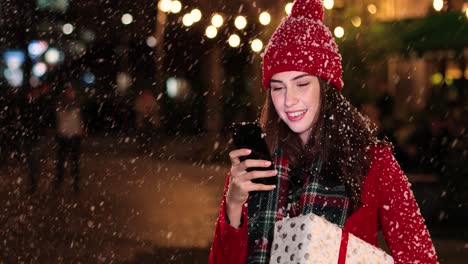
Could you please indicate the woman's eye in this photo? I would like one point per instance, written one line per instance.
(276, 88)
(303, 84)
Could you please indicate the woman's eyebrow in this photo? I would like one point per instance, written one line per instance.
(275, 81)
(293, 79)
(300, 76)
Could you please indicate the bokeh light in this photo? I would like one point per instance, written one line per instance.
(339, 32)
(264, 18)
(234, 40)
(240, 22)
(257, 45)
(217, 20)
(211, 32)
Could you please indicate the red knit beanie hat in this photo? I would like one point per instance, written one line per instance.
(303, 43)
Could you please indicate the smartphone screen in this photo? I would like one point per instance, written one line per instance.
(251, 136)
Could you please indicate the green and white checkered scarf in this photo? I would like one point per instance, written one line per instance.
(311, 195)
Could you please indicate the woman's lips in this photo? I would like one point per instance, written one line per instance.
(296, 115)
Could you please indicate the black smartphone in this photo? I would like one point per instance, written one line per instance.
(250, 136)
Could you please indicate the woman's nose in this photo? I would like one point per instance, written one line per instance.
(291, 98)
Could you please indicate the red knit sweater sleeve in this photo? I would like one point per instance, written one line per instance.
(229, 244)
(402, 224)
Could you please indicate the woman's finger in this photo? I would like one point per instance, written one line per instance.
(260, 174)
(250, 163)
(259, 187)
(235, 154)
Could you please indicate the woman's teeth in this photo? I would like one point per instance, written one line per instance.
(295, 114)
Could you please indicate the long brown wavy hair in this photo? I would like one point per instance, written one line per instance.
(341, 137)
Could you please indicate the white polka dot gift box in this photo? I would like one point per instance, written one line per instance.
(313, 239)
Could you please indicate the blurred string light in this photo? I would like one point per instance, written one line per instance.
(67, 28)
(217, 20)
(177, 88)
(196, 15)
(264, 18)
(14, 77)
(356, 21)
(438, 5)
(372, 9)
(257, 45)
(437, 78)
(211, 32)
(89, 78)
(328, 4)
(288, 8)
(13, 73)
(124, 81)
(234, 41)
(39, 69)
(171, 87)
(339, 32)
(126, 19)
(36, 48)
(176, 6)
(165, 5)
(240, 22)
(187, 20)
(14, 58)
(449, 81)
(53, 56)
(151, 41)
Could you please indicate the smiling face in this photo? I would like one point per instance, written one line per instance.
(296, 97)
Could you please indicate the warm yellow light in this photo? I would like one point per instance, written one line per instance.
(437, 78)
(234, 40)
(240, 22)
(151, 41)
(264, 18)
(187, 20)
(328, 4)
(438, 5)
(126, 19)
(466, 12)
(67, 29)
(256, 45)
(372, 9)
(339, 32)
(176, 6)
(288, 8)
(165, 5)
(217, 20)
(356, 21)
(211, 32)
(196, 15)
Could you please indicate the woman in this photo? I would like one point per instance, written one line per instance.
(327, 157)
(70, 131)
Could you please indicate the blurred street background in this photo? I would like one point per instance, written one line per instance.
(157, 84)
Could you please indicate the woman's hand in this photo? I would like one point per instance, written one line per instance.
(240, 183)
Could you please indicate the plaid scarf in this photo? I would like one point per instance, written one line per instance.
(302, 193)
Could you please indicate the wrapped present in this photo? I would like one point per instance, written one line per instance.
(313, 239)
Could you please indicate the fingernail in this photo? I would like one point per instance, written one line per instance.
(267, 163)
(248, 151)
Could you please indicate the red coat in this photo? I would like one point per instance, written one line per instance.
(387, 200)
